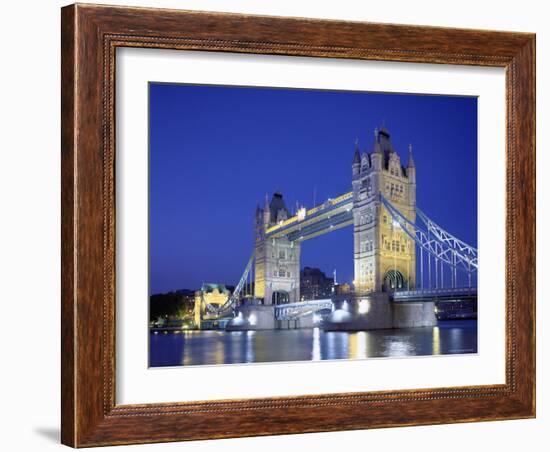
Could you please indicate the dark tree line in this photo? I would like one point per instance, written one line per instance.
(171, 305)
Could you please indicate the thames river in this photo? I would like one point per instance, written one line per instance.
(192, 348)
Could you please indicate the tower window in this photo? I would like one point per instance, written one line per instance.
(366, 246)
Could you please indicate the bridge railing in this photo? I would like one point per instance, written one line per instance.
(300, 309)
(313, 228)
(322, 304)
(434, 293)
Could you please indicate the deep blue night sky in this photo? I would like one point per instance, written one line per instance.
(216, 151)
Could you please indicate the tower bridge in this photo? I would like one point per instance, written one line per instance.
(400, 254)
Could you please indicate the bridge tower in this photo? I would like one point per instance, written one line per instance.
(277, 260)
(384, 256)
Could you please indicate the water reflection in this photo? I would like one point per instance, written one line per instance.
(316, 346)
(358, 348)
(218, 347)
(436, 340)
(400, 346)
(249, 347)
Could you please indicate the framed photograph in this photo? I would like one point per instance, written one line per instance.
(281, 225)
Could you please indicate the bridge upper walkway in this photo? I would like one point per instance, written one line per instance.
(334, 213)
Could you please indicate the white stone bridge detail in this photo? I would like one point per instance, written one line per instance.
(293, 311)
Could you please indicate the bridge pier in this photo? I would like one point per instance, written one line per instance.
(356, 313)
(411, 315)
(252, 318)
(288, 316)
(305, 321)
(376, 311)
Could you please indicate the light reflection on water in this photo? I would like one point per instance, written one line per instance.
(219, 347)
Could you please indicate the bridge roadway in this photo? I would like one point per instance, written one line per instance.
(444, 294)
(335, 213)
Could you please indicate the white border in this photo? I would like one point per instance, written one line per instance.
(135, 383)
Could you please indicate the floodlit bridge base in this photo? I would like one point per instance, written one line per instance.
(253, 317)
(352, 313)
(376, 311)
(289, 316)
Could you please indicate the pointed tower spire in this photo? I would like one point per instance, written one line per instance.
(411, 169)
(376, 157)
(411, 161)
(356, 165)
(357, 154)
(267, 211)
(377, 148)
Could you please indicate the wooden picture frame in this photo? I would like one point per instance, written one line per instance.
(90, 36)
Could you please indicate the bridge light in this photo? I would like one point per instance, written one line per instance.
(396, 224)
(364, 306)
(252, 319)
(239, 319)
(340, 316)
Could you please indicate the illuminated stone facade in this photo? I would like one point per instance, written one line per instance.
(277, 263)
(384, 255)
(212, 294)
